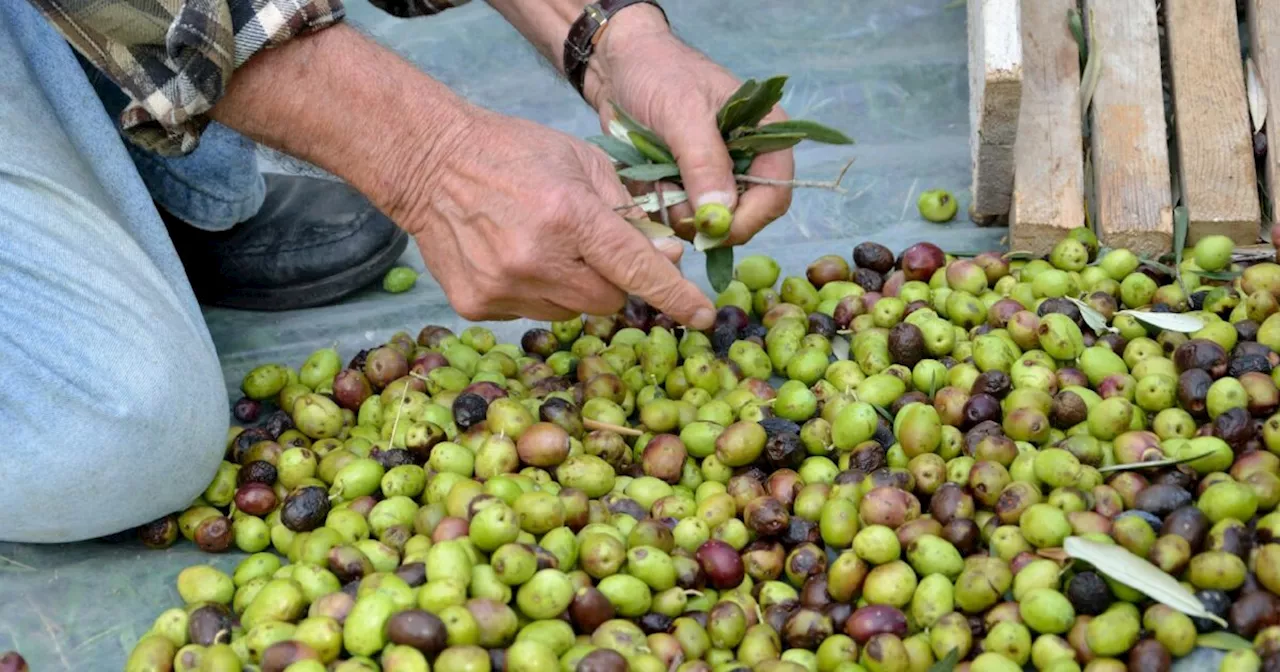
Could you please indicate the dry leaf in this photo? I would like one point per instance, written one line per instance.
(1055, 554)
(1168, 321)
(1223, 641)
(649, 202)
(840, 348)
(1118, 563)
(1096, 321)
(1257, 97)
(620, 133)
(703, 242)
(651, 229)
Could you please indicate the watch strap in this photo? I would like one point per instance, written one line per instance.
(585, 34)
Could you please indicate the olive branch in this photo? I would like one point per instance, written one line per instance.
(641, 156)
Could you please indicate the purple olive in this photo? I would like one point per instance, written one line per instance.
(721, 563)
(246, 410)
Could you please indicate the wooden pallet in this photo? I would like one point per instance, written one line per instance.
(1044, 165)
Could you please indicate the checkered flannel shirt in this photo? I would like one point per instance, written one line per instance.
(174, 58)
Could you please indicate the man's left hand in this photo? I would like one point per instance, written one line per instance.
(676, 91)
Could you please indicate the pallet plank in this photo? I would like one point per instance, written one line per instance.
(1048, 192)
(1129, 151)
(1211, 120)
(995, 92)
(1264, 47)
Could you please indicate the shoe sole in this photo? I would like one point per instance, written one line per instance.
(316, 293)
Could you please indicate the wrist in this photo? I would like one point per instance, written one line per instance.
(411, 169)
(632, 25)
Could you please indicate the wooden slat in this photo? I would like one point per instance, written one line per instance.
(1211, 119)
(995, 92)
(1048, 191)
(1264, 47)
(1129, 152)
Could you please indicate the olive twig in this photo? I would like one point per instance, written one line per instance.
(832, 185)
(617, 429)
(1253, 253)
(662, 205)
(404, 394)
(17, 564)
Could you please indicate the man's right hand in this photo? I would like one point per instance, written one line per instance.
(515, 220)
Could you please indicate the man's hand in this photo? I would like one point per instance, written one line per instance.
(676, 91)
(514, 219)
(519, 220)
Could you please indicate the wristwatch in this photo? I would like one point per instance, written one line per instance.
(585, 34)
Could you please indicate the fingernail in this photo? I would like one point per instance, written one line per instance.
(667, 245)
(721, 197)
(703, 319)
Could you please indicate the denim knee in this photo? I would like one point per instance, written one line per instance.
(146, 449)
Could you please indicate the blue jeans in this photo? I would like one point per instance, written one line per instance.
(112, 400)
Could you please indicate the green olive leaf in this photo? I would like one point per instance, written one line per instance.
(1077, 31)
(619, 151)
(763, 143)
(1092, 70)
(811, 130)
(742, 164)
(1223, 640)
(635, 128)
(732, 107)
(749, 112)
(1218, 275)
(655, 152)
(1163, 268)
(1181, 220)
(948, 662)
(650, 172)
(720, 268)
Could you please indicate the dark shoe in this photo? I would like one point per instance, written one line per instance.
(313, 242)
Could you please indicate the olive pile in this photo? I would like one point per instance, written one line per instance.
(617, 493)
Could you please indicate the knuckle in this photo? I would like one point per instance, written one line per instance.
(630, 269)
(667, 296)
(520, 260)
(476, 303)
(469, 307)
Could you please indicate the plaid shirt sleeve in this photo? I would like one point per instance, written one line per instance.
(174, 58)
